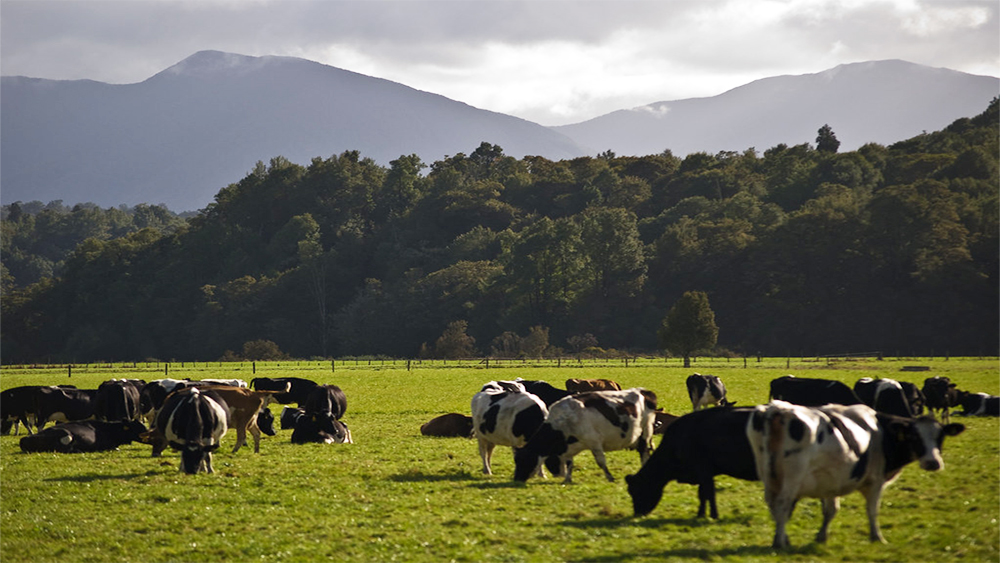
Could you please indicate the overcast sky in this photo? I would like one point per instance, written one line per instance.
(550, 61)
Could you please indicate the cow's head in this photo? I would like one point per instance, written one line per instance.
(265, 421)
(645, 495)
(924, 436)
(548, 444)
(196, 456)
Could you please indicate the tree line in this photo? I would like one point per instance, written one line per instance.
(801, 249)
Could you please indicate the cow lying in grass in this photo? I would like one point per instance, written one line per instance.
(85, 436)
(598, 421)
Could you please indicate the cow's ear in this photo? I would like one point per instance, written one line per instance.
(953, 429)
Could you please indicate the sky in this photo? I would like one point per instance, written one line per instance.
(553, 62)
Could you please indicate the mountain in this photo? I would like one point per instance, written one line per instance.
(879, 101)
(182, 135)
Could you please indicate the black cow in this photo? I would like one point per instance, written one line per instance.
(328, 399)
(812, 392)
(289, 415)
(265, 421)
(883, 395)
(60, 404)
(980, 404)
(117, 400)
(941, 395)
(547, 393)
(293, 389)
(320, 421)
(193, 423)
(695, 448)
(17, 407)
(85, 436)
(914, 397)
(705, 391)
(451, 425)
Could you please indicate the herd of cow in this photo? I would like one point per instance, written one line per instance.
(815, 438)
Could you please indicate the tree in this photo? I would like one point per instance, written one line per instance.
(689, 326)
(454, 343)
(826, 141)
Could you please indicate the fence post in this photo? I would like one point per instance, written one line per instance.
(70, 371)
(333, 366)
(255, 368)
(166, 369)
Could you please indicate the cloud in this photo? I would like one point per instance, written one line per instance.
(549, 61)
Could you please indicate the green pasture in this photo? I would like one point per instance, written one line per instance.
(395, 495)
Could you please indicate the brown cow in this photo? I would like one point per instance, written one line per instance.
(451, 425)
(585, 385)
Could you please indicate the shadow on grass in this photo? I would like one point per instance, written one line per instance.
(91, 477)
(421, 477)
(643, 522)
(747, 551)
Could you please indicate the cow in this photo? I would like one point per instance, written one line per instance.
(914, 397)
(154, 393)
(320, 428)
(827, 452)
(117, 400)
(84, 436)
(194, 424)
(226, 382)
(293, 389)
(706, 391)
(328, 399)
(598, 421)
(695, 448)
(246, 411)
(663, 421)
(941, 395)
(585, 385)
(812, 392)
(979, 404)
(504, 414)
(60, 404)
(451, 425)
(883, 395)
(289, 415)
(544, 391)
(17, 407)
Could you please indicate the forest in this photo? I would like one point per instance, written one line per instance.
(802, 250)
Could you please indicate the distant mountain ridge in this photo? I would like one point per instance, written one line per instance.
(190, 130)
(871, 102)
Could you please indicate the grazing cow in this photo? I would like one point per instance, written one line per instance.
(60, 404)
(941, 395)
(598, 421)
(289, 415)
(706, 391)
(585, 385)
(451, 425)
(697, 447)
(547, 393)
(980, 404)
(504, 414)
(84, 436)
(662, 421)
(827, 452)
(320, 428)
(293, 389)
(883, 395)
(117, 400)
(154, 393)
(193, 423)
(226, 382)
(812, 392)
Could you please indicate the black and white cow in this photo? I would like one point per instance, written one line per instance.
(17, 407)
(706, 391)
(505, 414)
(828, 452)
(228, 382)
(980, 404)
(61, 404)
(153, 394)
(288, 417)
(84, 436)
(941, 395)
(695, 448)
(812, 392)
(293, 389)
(193, 423)
(883, 395)
(117, 400)
(320, 421)
(598, 421)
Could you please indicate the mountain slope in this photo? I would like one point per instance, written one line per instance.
(183, 134)
(881, 101)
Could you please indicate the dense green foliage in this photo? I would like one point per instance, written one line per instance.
(395, 495)
(800, 251)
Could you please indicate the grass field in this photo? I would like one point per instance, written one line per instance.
(397, 496)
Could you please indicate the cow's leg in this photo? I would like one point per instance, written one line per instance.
(603, 463)
(873, 497)
(255, 432)
(830, 507)
(486, 453)
(706, 496)
(569, 471)
(241, 437)
(207, 460)
(781, 511)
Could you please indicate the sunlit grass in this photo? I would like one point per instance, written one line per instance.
(396, 495)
